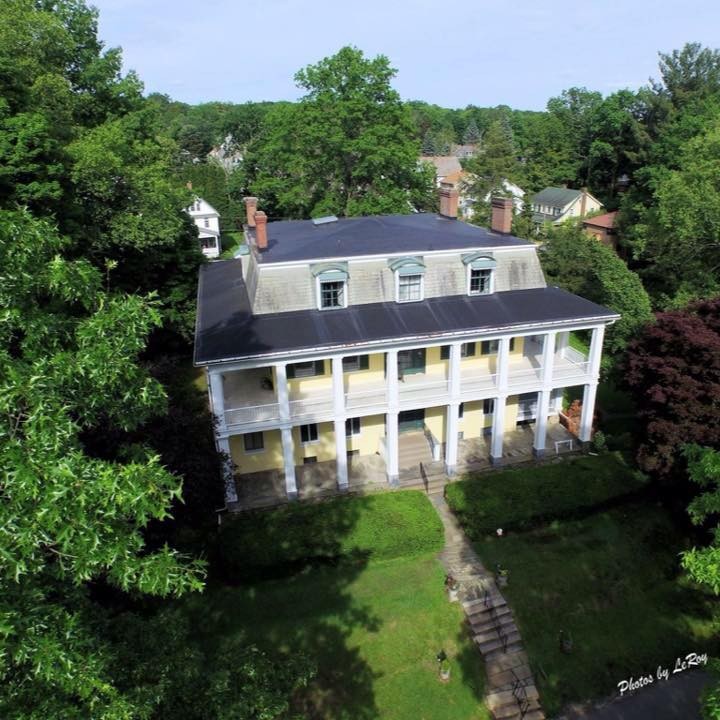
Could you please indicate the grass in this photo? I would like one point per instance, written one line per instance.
(378, 526)
(612, 581)
(231, 241)
(355, 584)
(578, 342)
(525, 497)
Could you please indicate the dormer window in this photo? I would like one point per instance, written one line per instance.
(409, 279)
(480, 273)
(331, 285)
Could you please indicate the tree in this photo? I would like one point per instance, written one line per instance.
(673, 372)
(472, 133)
(347, 148)
(68, 364)
(489, 170)
(577, 262)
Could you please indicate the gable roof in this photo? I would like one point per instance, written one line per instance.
(300, 240)
(556, 197)
(606, 221)
(444, 164)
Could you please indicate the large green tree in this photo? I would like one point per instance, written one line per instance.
(68, 357)
(577, 262)
(347, 148)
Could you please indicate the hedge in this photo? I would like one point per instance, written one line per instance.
(378, 526)
(526, 497)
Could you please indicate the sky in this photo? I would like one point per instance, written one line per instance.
(513, 52)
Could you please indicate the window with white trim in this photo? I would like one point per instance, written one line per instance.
(352, 363)
(332, 294)
(253, 442)
(352, 427)
(480, 281)
(309, 433)
(207, 243)
(410, 288)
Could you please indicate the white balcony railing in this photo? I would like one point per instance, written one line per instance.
(524, 376)
(571, 370)
(252, 414)
(420, 391)
(477, 383)
(310, 407)
(365, 397)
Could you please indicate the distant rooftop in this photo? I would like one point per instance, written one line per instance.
(556, 197)
(607, 220)
(298, 240)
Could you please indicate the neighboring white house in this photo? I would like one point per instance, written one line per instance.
(516, 193)
(207, 219)
(555, 205)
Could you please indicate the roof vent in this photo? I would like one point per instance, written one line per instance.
(324, 220)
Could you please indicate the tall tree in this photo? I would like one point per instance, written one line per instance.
(68, 357)
(472, 133)
(347, 147)
(580, 264)
(673, 373)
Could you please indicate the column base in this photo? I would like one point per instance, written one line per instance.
(538, 452)
(343, 488)
(393, 480)
(292, 494)
(496, 461)
(451, 470)
(585, 445)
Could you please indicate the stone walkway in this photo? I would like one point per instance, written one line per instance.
(510, 693)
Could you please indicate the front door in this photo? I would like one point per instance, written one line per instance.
(410, 420)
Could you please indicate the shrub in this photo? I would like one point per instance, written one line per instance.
(525, 497)
(341, 529)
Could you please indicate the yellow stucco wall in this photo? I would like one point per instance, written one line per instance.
(433, 364)
(323, 449)
(299, 388)
(372, 428)
(374, 375)
(435, 421)
(271, 458)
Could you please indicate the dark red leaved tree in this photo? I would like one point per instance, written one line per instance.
(673, 372)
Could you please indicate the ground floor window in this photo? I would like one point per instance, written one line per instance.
(311, 460)
(488, 406)
(461, 410)
(352, 427)
(309, 433)
(208, 243)
(253, 442)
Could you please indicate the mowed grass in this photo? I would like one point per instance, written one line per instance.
(358, 592)
(612, 582)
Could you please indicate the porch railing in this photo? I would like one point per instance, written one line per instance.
(411, 392)
(252, 414)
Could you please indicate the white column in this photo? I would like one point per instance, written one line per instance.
(543, 409)
(503, 364)
(282, 391)
(217, 398)
(562, 342)
(223, 445)
(588, 410)
(391, 417)
(289, 462)
(451, 439)
(548, 359)
(453, 410)
(596, 343)
(498, 430)
(391, 447)
(339, 410)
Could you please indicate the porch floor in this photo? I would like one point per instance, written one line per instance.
(367, 473)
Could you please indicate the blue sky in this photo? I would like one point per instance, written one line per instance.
(514, 52)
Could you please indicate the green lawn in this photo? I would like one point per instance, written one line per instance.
(356, 585)
(231, 241)
(612, 581)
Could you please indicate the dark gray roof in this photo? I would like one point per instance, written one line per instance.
(227, 329)
(374, 235)
(556, 197)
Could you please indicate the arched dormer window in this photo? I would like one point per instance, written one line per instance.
(409, 278)
(331, 285)
(480, 273)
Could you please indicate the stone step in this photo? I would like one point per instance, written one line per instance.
(478, 606)
(505, 679)
(499, 698)
(505, 663)
(512, 712)
(511, 649)
(503, 621)
(493, 633)
(489, 645)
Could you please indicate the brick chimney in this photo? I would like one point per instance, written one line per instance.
(448, 201)
(583, 201)
(260, 222)
(251, 208)
(502, 215)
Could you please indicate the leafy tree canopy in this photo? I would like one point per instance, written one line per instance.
(346, 148)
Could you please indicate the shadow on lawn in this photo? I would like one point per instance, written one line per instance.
(280, 580)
